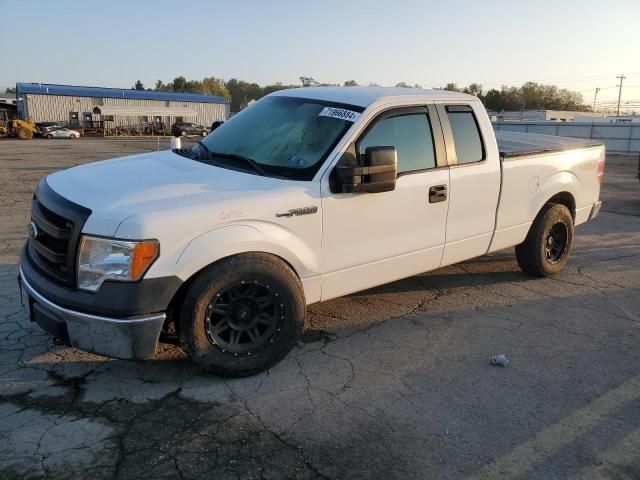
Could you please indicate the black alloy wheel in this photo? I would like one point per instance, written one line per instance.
(547, 247)
(556, 242)
(242, 314)
(242, 318)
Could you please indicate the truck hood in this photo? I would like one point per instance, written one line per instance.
(125, 187)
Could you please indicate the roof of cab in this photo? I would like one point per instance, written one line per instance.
(365, 96)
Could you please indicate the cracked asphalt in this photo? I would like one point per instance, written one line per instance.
(391, 383)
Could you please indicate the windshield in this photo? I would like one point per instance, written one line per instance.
(283, 136)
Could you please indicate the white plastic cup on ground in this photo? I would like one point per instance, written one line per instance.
(500, 360)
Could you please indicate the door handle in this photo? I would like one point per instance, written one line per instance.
(437, 193)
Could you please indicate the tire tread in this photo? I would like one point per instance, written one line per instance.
(529, 253)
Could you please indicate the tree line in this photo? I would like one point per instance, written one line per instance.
(529, 96)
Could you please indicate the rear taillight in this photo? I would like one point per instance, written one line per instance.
(600, 174)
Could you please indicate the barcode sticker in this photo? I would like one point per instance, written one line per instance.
(340, 113)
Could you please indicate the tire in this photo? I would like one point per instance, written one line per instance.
(203, 133)
(24, 134)
(49, 136)
(183, 133)
(242, 315)
(547, 247)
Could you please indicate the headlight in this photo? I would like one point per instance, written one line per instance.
(101, 259)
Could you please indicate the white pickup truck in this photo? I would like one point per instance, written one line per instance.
(305, 196)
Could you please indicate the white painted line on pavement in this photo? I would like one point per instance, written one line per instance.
(548, 442)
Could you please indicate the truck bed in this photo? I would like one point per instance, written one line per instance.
(537, 167)
(516, 144)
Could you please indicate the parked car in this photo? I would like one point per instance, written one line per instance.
(62, 133)
(186, 128)
(215, 125)
(76, 128)
(309, 195)
(46, 127)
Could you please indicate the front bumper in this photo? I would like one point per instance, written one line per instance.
(131, 338)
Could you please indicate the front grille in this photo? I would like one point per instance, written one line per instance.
(51, 245)
(58, 223)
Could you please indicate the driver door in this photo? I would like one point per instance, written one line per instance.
(374, 238)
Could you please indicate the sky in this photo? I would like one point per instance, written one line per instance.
(575, 44)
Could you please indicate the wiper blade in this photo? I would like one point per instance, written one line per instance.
(204, 147)
(251, 162)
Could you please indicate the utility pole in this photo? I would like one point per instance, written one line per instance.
(594, 103)
(621, 77)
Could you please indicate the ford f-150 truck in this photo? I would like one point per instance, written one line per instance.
(307, 195)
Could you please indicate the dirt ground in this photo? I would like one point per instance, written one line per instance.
(391, 383)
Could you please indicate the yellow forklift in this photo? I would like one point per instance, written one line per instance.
(23, 129)
(4, 123)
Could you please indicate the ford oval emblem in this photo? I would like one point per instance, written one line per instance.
(33, 230)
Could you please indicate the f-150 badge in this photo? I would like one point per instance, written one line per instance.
(294, 212)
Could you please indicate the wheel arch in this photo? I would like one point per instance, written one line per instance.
(221, 243)
(238, 238)
(564, 198)
(562, 188)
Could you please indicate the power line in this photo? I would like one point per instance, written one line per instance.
(621, 77)
(575, 79)
(599, 88)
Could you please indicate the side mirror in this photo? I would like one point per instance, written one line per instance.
(378, 174)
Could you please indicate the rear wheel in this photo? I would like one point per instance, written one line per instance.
(49, 136)
(204, 133)
(183, 133)
(242, 315)
(546, 249)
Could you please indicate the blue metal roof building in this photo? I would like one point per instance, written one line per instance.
(79, 105)
(102, 92)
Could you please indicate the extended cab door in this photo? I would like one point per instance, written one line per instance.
(374, 238)
(474, 180)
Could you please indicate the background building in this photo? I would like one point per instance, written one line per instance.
(96, 107)
(624, 119)
(8, 104)
(537, 116)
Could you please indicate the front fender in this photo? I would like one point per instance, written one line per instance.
(265, 237)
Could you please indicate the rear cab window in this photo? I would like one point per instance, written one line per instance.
(466, 134)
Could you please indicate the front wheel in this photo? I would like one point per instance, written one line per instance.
(204, 133)
(546, 249)
(24, 134)
(183, 133)
(242, 315)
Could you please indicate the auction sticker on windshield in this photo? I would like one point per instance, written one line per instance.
(340, 113)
